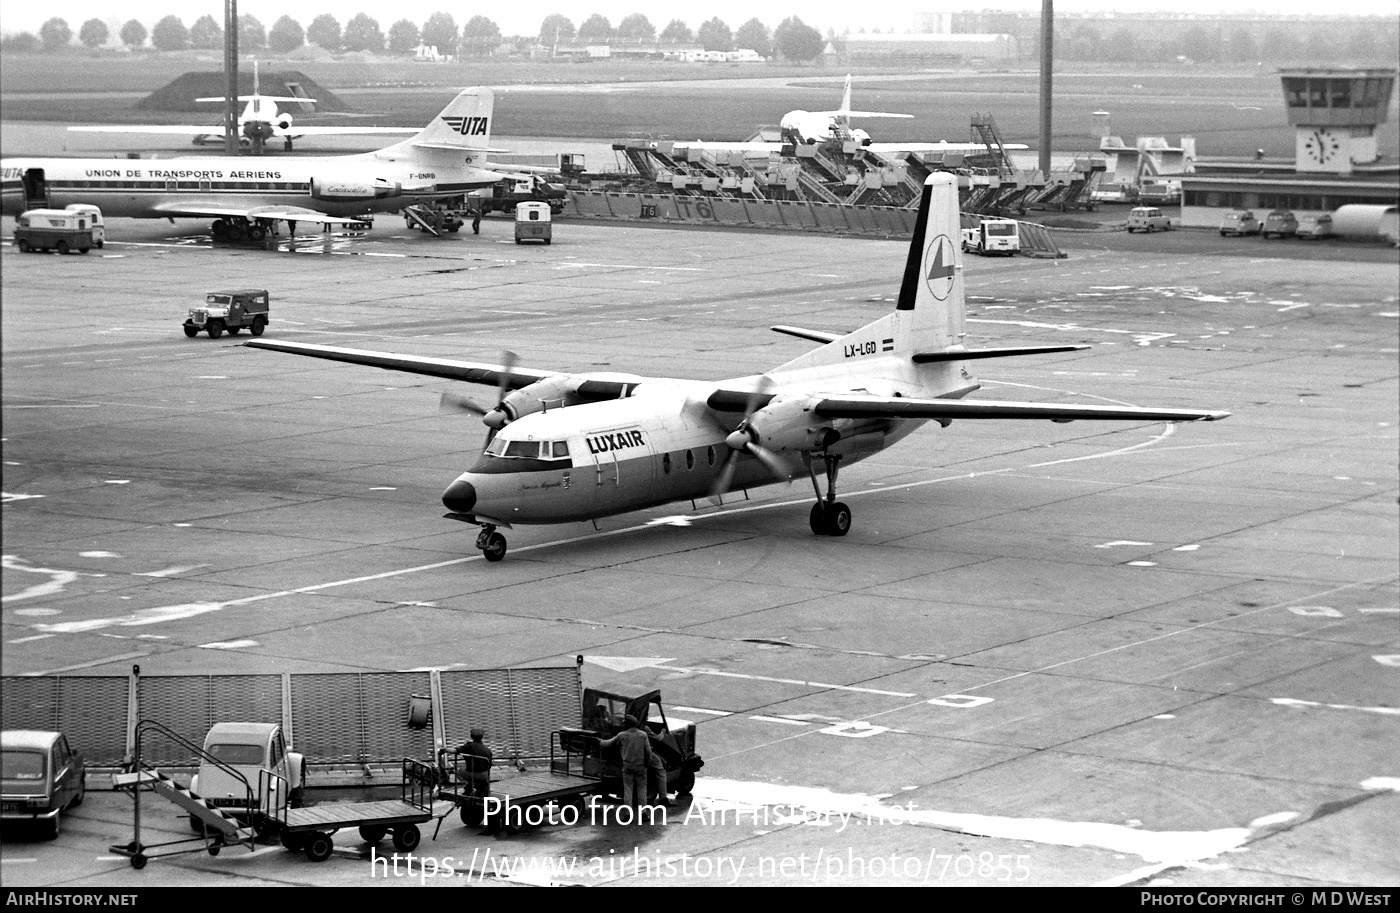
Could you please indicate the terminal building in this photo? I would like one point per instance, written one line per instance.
(1334, 113)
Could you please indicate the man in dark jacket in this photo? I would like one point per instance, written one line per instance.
(633, 745)
(476, 771)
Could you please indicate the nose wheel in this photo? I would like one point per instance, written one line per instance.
(829, 516)
(491, 543)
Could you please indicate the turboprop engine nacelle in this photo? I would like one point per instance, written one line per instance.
(556, 392)
(790, 424)
(338, 191)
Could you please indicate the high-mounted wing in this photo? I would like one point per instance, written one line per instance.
(449, 369)
(865, 406)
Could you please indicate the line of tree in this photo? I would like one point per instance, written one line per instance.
(479, 36)
(792, 39)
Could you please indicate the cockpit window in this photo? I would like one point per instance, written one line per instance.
(530, 450)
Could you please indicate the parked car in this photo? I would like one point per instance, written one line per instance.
(1149, 219)
(1239, 222)
(1314, 226)
(40, 778)
(1281, 223)
(247, 750)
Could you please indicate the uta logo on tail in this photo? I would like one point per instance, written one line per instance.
(468, 126)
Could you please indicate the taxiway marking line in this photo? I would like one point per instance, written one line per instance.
(1095, 655)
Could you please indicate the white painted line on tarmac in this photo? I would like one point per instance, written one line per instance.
(1293, 702)
(778, 719)
(679, 709)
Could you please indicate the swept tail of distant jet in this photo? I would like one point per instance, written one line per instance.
(260, 121)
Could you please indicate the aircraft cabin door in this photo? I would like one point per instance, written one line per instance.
(36, 189)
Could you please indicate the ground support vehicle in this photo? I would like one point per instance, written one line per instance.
(527, 188)
(58, 230)
(232, 311)
(532, 223)
(41, 777)
(439, 217)
(604, 712)
(309, 830)
(1281, 223)
(95, 223)
(522, 800)
(993, 236)
(215, 824)
(1240, 222)
(1148, 219)
(1313, 227)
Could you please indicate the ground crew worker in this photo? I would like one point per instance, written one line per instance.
(478, 764)
(658, 792)
(476, 221)
(636, 754)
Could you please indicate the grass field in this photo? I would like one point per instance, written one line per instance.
(1231, 113)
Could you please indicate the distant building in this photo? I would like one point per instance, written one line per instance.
(1335, 113)
(925, 48)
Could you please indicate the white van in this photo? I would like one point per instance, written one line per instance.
(1148, 219)
(532, 222)
(53, 229)
(99, 233)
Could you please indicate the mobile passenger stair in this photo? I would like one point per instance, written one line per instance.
(220, 828)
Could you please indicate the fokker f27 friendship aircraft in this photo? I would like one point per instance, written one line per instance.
(567, 447)
(445, 158)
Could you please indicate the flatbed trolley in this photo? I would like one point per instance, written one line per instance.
(309, 830)
(564, 783)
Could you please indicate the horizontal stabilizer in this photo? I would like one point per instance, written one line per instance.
(814, 335)
(923, 358)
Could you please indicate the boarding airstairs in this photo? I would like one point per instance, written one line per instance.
(216, 827)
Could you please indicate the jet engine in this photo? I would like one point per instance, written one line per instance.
(284, 122)
(257, 129)
(338, 191)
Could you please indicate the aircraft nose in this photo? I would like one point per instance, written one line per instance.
(460, 497)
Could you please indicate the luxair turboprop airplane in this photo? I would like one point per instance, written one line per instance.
(566, 447)
(247, 199)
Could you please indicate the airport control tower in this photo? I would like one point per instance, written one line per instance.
(1335, 113)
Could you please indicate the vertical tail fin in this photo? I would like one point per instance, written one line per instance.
(932, 290)
(465, 124)
(929, 314)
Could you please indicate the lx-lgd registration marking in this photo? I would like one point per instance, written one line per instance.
(869, 347)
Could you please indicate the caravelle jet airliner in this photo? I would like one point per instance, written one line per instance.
(566, 447)
(260, 121)
(812, 127)
(446, 158)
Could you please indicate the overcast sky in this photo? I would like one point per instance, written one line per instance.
(525, 18)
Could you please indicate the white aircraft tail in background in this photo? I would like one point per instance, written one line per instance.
(260, 121)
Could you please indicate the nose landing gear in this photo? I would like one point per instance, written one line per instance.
(829, 517)
(491, 543)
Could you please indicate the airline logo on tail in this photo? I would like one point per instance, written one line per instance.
(939, 267)
(469, 126)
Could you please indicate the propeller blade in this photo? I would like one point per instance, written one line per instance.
(726, 475)
(770, 460)
(452, 402)
(508, 361)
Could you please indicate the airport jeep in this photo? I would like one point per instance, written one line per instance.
(230, 311)
(604, 713)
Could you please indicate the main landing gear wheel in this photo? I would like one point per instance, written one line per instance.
(832, 519)
(829, 516)
(491, 543)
